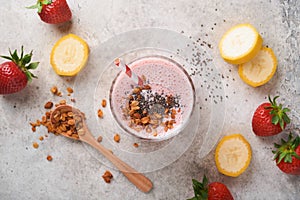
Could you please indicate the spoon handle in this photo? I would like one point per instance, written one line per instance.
(138, 179)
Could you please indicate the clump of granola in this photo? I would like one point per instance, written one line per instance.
(147, 110)
(67, 123)
(54, 90)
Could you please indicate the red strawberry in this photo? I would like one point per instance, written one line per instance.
(53, 11)
(287, 155)
(212, 191)
(269, 118)
(15, 74)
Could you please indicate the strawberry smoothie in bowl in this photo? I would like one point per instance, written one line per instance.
(158, 108)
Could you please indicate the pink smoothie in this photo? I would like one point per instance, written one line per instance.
(165, 77)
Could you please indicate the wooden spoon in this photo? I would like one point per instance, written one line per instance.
(138, 179)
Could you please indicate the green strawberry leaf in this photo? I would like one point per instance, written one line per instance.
(275, 119)
(33, 65)
(200, 189)
(15, 56)
(281, 123)
(286, 118)
(6, 57)
(27, 58)
(28, 75)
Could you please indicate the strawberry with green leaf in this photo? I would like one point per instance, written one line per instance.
(53, 11)
(15, 73)
(210, 191)
(287, 155)
(269, 118)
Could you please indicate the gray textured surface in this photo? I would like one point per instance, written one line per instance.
(76, 174)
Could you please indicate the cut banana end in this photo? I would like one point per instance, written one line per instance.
(233, 155)
(240, 44)
(69, 55)
(260, 69)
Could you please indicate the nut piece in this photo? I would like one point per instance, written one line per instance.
(35, 145)
(100, 113)
(54, 90)
(48, 105)
(136, 145)
(107, 176)
(62, 102)
(49, 158)
(70, 90)
(99, 139)
(145, 120)
(117, 138)
(103, 103)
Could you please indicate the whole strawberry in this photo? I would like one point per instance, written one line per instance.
(287, 155)
(53, 11)
(211, 191)
(269, 118)
(15, 73)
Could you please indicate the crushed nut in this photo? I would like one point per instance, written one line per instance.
(107, 176)
(100, 113)
(136, 145)
(48, 105)
(55, 91)
(49, 158)
(145, 120)
(99, 139)
(70, 90)
(117, 138)
(103, 103)
(62, 102)
(35, 145)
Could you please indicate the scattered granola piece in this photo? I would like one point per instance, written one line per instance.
(62, 102)
(99, 139)
(35, 145)
(54, 90)
(136, 145)
(48, 105)
(70, 90)
(49, 158)
(41, 138)
(107, 176)
(100, 113)
(103, 103)
(73, 100)
(117, 138)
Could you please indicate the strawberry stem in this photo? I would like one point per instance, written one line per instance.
(286, 150)
(278, 113)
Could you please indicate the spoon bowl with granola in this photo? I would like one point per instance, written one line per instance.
(72, 121)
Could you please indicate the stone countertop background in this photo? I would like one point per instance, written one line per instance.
(75, 174)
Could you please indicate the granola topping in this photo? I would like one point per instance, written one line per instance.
(147, 110)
